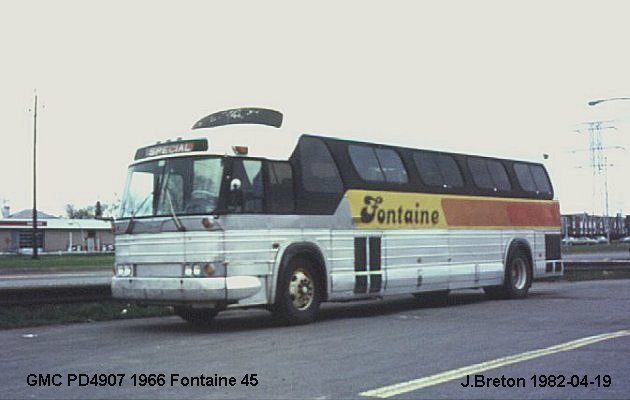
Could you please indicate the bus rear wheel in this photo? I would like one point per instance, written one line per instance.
(517, 280)
(196, 316)
(299, 293)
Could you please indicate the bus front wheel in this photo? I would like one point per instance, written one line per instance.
(299, 293)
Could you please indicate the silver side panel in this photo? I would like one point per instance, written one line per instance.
(412, 260)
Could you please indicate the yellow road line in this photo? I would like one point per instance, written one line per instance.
(420, 383)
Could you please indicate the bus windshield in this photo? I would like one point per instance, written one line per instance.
(180, 186)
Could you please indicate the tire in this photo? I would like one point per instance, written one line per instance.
(299, 293)
(517, 280)
(196, 316)
(518, 276)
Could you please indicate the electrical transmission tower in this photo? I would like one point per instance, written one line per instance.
(598, 161)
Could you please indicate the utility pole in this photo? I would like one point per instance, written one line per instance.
(35, 179)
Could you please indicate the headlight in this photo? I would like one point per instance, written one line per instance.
(205, 269)
(124, 270)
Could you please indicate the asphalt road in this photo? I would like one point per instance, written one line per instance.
(354, 349)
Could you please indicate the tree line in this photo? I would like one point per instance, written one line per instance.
(98, 210)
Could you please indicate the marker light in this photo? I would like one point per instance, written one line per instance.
(240, 150)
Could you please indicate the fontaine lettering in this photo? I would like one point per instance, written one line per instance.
(397, 216)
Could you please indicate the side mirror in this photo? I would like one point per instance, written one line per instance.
(235, 198)
(235, 184)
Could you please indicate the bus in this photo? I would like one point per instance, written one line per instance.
(206, 225)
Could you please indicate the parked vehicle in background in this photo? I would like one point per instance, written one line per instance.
(602, 240)
(570, 241)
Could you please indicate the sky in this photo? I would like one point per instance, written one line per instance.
(500, 78)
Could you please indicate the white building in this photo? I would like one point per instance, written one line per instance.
(54, 234)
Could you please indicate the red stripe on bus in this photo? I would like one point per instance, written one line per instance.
(468, 212)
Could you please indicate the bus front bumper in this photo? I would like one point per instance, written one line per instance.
(183, 290)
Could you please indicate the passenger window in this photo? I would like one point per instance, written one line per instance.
(377, 165)
(489, 174)
(391, 165)
(438, 169)
(524, 177)
(319, 172)
(365, 163)
(450, 171)
(480, 173)
(532, 178)
(499, 175)
(280, 198)
(540, 178)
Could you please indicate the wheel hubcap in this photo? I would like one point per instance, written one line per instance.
(301, 289)
(518, 274)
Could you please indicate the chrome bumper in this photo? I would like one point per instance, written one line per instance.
(209, 290)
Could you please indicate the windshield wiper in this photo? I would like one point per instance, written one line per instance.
(178, 222)
(133, 214)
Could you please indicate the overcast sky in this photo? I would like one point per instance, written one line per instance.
(487, 77)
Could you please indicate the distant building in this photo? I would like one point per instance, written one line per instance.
(586, 225)
(54, 234)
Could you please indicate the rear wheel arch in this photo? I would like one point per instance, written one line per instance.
(519, 245)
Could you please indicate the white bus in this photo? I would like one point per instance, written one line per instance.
(205, 226)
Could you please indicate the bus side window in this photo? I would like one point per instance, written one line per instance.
(489, 174)
(532, 178)
(280, 197)
(438, 169)
(318, 185)
(319, 173)
(377, 164)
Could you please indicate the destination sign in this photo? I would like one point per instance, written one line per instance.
(180, 146)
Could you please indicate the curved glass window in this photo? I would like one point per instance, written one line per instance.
(532, 178)
(377, 165)
(319, 172)
(438, 169)
(489, 174)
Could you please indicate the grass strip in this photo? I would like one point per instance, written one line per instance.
(15, 263)
(54, 314)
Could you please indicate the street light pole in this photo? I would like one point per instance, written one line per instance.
(596, 102)
(35, 179)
